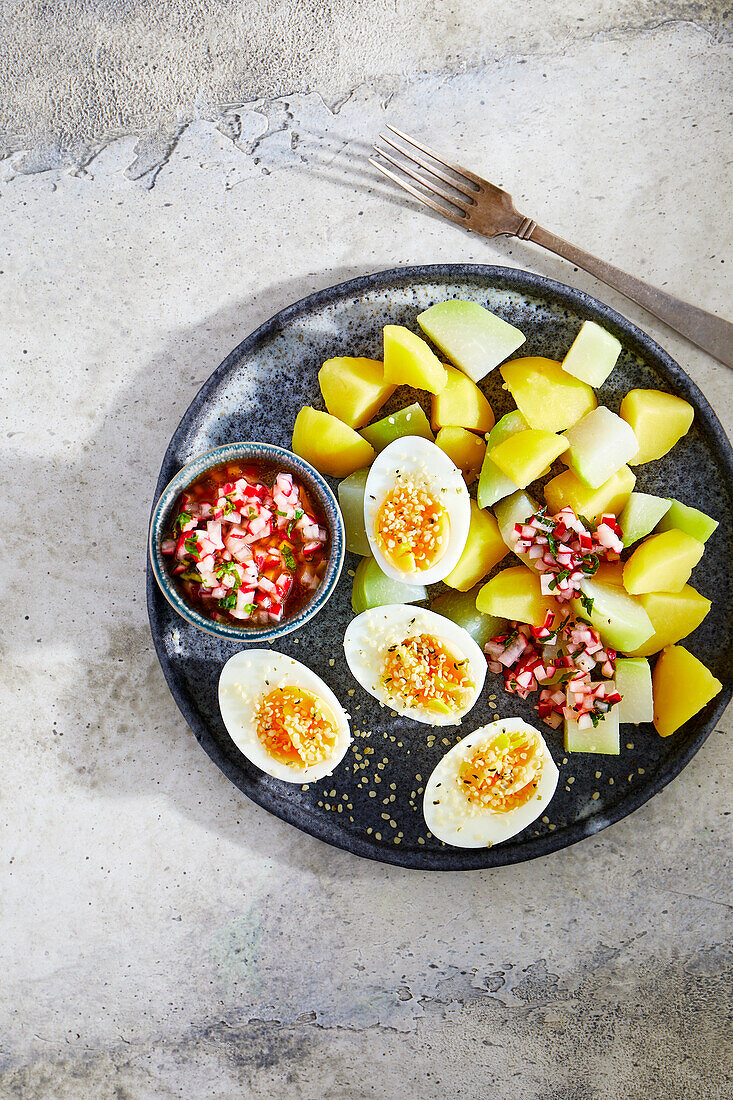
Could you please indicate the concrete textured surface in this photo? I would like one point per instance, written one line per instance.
(162, 936)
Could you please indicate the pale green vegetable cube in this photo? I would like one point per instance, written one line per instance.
(351, 501)
(373, 588)
(592, 355)
(634, 682)
(409, 421)
(600, 444)
(619, 618)
(640, 515)
(683, 518)
(461, 608)
(603, 738)
(474, 339)
(514, 509)
(493, 484)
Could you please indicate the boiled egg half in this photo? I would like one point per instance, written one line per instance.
(420, 664)
(282, 716)
(491, 785)
(416, 511)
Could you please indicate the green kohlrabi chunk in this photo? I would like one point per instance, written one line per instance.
(461, 608)
(600, 444)
(515, 509)
(640, 515)
(474, 339)
(493, 484)
(634, 682)
(372, 588)
(592, 355)
(690, 520)
(603, 738)
(409, 421)
(351, 500)
(620, 620)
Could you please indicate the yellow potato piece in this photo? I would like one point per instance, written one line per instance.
(464, 448)
(673, 615)
(610, 572)
(681, 686)
(408, 361)
(329, 444)
(528, 455)
(515, 594)
(484, 549)
(354, 390)
(546, 395)
(659, 421)
(662, 563)
(461, 404)
(568, 490)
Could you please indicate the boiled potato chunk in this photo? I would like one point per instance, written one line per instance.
(662, 563)
(515, 594)
(610, 572)
(483, 550)
(461, 405)
(568, 490)
(547, 396)
(673, 616)
(354, 390)
(408, 361)
(690, 520)
(328, 444)
(464, 448)
(409, 421)
(472, 337)
(682, 687)
(659, 421)
(527, 455)
(492, 483)
(603, 738)
(592, 355)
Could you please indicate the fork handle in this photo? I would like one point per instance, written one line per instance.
(711, 333)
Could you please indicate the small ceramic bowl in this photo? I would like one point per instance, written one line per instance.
(248, 452)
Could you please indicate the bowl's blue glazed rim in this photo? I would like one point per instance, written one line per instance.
(195, 468)
(523, 282)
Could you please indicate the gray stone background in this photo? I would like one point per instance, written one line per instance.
(170, 175)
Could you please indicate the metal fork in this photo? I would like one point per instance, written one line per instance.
(476, 204)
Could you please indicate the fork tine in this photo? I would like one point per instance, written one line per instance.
(427, 184)
(454, 217)
(469, 192)
(464, 172)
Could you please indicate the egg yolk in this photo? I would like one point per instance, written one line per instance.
(421, 672)
(295, 726)
(503, 775)
(412, 527)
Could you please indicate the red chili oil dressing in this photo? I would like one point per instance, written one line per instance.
(248, 545)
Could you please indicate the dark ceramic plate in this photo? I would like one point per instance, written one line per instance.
(372, 805)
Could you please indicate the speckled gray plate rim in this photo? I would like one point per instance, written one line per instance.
(234, 404)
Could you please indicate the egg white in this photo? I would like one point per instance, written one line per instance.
(249, 675)
(420, 458)
(452, 818)
(369, 636)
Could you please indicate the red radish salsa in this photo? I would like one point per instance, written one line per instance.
(566, 548)
(558, 658)
(557, 661)
(247, 546)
